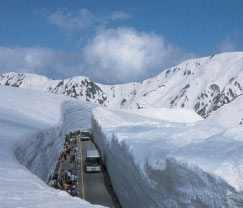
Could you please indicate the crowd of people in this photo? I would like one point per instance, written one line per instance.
(65, 176)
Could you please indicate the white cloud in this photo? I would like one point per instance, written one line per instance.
(111, 56)
(70, 21)
(124, 54)
(119, 15)
(83, 18)
(227, 45)
(37, 60)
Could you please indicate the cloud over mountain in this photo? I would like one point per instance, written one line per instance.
(36, 60)
(125, 54)
(112, 55)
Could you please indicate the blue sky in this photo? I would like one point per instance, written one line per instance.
(126, 40)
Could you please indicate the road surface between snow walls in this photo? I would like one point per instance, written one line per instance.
(32, 128)
(94, 188)
(156, 163)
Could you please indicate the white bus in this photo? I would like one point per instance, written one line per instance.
(92, 161)
(85, 135)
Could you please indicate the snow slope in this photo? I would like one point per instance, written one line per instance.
(32, 129)
(157, 163)
(174, 115)
(203, 85)
(229, 115)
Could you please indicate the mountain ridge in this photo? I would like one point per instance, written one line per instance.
(204, 85)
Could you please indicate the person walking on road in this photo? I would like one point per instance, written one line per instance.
(65, 175)
(66, 186)
(72, 178)
(65, 155)
(62, 174)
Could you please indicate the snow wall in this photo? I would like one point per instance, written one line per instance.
(40, 152)
(155, 163)
(32, 128)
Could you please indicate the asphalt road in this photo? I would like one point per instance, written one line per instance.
(94, 187)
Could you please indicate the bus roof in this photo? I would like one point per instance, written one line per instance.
(92, 153)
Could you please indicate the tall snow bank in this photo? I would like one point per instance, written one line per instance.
(76, 115)
(32, 127)
(155, 163)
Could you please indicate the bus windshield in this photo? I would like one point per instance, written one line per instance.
(93, 160)
(85, 134)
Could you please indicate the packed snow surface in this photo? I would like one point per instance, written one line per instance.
(174, 115)
(158, 163)
(32, 129)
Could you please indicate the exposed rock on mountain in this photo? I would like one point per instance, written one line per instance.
(78, 87)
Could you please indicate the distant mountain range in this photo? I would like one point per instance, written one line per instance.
(204, 85)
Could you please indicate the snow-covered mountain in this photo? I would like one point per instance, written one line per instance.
(77, 87)
(204, 84)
